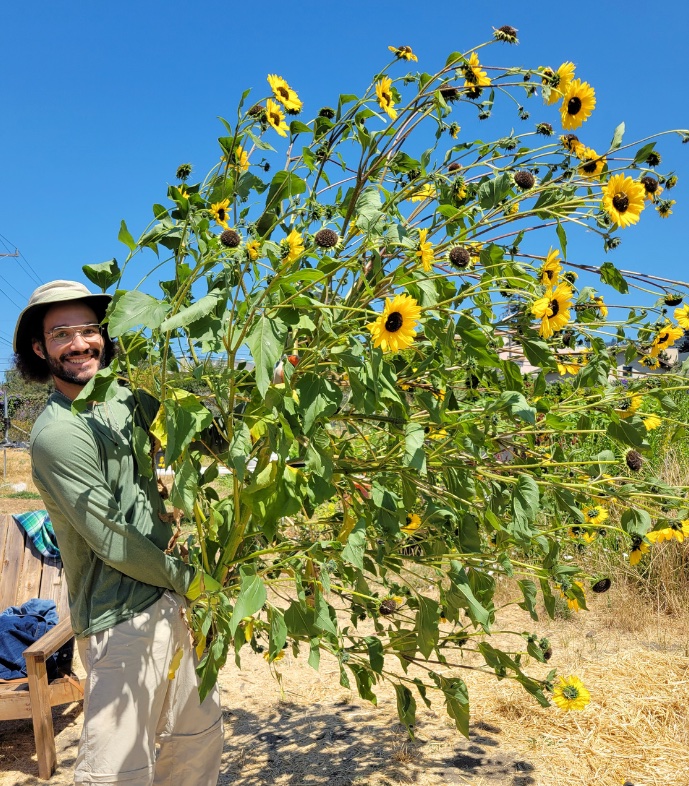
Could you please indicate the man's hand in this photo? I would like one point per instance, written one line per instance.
(202, 582)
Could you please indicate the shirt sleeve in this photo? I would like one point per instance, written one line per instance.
(66, 462)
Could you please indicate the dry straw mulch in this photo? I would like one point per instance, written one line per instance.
(634, 662)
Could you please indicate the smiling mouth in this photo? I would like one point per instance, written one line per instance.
(80, 359)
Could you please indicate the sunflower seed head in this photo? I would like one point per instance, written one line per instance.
(326, 238)
(634, 460)
(230, 238)
(183, 171)
(524, 180)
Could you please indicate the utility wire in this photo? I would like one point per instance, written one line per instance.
(26, 264)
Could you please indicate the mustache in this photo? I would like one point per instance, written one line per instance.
(94, 353)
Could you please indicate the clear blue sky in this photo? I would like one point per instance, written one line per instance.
(101, 102)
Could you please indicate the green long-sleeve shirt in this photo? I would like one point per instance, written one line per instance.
(104, 512)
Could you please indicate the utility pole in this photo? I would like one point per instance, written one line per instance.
(16, 254)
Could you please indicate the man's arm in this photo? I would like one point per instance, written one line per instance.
(67, 464)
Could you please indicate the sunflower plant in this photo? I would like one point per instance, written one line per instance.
(372, 306)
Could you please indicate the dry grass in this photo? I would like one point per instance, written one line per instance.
(314, 731)
(15, 466)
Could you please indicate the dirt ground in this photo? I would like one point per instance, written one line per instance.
(313, 731)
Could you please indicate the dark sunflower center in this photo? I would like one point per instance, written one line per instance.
(222, 215)
(283, 92)
(554, 307)
(662, 338)
(573, 105)
(570, 692)
(589, 167)
(394, 322)
(592, 513)
(650, 184)
(620, 202)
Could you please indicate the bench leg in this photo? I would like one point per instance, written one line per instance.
(42, 715)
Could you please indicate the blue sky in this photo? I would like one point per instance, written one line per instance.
(101, 102)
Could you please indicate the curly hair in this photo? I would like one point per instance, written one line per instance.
(34, 368)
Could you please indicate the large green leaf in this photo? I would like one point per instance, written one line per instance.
(103, 274)
(266, 341)
(525, 502)
(252, 596)
(318, 398)
(185, 417)
(131, 309)
(186, 316)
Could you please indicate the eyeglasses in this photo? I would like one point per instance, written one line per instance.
(65, 335)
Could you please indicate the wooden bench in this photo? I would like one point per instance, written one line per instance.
(25, 574)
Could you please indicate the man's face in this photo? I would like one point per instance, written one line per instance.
(78, 360)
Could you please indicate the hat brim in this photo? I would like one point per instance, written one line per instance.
(99, 302)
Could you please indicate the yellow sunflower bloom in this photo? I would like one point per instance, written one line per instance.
(551, 269)
(253, 249)
(649, 362)
(558, 81)
(652, 422)
(623, 200)
(276, 118)
(394, 329)
(474, 75)
(241, 158)
(293, 245)
(665, 207)
(571, 694)
(568, 367)
(571, 142)
(412, 524)
(639, 548)
(219, 211)
(652, 188)
(403, 53)
(425, 192)
(553, 310)
(425, 252)
(600, 305)
(682, 316)
(629, 405)
(385, 97)
(591, 163)
(578, 102)
(595, 515)
(572, 603)
(666, 338)
(284, 94)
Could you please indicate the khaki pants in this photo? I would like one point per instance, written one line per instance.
(130, 705)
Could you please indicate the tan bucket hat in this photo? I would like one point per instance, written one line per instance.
(56, 292)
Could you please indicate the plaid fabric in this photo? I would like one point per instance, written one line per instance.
(39, 528)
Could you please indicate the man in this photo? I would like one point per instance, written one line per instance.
(125, 591)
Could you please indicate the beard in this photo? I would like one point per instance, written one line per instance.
(57, 369)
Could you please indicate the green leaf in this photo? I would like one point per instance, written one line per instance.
(101, 387)
(529, 591)
(266, 341)
(494, 190)
(318, 398)
(240, 448)
(104, 274)
(562, 237)
(186, 316)
(461, 596)
(130, 309)
(427, 619)
(297, 127)
(353, 552)
(185, 417)
(414, 455)
(617, 137)
(323, 620)
(278, 631)
(643, 152)
(514, 403)
(364, 680)
(628, 432)
(538, 353)
(283, 186)
(185, 486)
(376, 654)
(406, 706)
(636, 522)
(610, 275)
(456, 700)
(525, 501)
(141, 446)
(125, 237)
(252, 596)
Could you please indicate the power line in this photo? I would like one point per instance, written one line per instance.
(30, 272)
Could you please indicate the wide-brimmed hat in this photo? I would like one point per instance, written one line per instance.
(56, 292)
